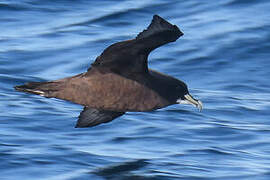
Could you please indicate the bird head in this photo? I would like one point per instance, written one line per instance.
(184, 96)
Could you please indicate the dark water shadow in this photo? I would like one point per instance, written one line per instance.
(121, 170)
(127, 171)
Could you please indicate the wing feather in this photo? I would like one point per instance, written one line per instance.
(129, 57)
(90, 117)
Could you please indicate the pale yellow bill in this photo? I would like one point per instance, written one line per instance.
(190, 100)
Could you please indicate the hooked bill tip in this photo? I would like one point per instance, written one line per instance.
(190, 100)
(200, 105)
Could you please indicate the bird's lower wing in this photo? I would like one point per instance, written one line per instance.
(90, 117)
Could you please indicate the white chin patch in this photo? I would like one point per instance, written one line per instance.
(181, 101)
(190, 100)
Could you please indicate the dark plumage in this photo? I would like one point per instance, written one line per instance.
(119, 80)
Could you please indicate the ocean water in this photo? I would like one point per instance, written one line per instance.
(224, 57)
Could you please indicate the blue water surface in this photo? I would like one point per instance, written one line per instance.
(223, 57)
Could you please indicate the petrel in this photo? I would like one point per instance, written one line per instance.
(120, 81)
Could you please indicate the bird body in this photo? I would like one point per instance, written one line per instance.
(119, 80)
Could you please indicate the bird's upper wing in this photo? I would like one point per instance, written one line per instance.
(131, 56)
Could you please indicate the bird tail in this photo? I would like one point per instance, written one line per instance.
(39, 88)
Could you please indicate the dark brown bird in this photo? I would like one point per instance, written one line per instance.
(119, 80)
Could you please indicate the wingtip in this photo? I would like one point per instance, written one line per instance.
(78, 126)
(159, 25)
(155, 16)
(168, 24)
